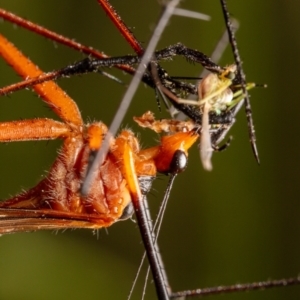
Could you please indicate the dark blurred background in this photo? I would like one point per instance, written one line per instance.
(239, 223)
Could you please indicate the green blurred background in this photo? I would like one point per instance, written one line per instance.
(239, 223)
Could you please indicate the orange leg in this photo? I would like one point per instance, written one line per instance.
(55, 97)
(28, 130)
(121, 26)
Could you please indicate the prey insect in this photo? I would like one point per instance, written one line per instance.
(215, 94)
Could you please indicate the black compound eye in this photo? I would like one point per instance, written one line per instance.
(127, 212)
(179, 162)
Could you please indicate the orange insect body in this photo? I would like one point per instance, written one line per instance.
(56, 201)
(59, 190)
